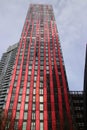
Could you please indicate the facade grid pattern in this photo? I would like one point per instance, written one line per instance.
(38, 93)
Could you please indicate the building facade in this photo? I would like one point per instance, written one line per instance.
(77, 98)
(37, 94)
(6, 66)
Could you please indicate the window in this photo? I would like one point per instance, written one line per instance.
(26, 106)
(41, 107)
(33, 115)
(41, 67)
(41, 91)
(35, 85)
(33, 106)
(19, 98)
(41, 78)
(25, 115)
(41, 85)
(29, 72)
(41, 116)
(27, 92)
(41, 125)
(36, 67)
(33, 98)
(24, 126)
(27, 98)
(35, 77)
(17, 115)
(41, 98)
(30, 67)
(20, 90)
(47, 67)
(34, 91)
(28, 84)
(28, 78)
(35, 72)
(33, 125)
(18, 106)
(15, 84)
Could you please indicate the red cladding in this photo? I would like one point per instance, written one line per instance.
(50, 55)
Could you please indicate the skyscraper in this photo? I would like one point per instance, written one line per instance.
(6, 66)
(37, 96)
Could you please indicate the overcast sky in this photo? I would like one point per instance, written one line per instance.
(71, 20)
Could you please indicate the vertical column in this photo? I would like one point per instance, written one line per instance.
(18, 83)
(20, 122)
(38, 82)
(17, 92)
(51, 85)
(58, 85)
(29, 117)
(64, 83)
(25, 85)
(45, 85)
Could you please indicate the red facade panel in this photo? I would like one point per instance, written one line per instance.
(51, 83)
(28, 127)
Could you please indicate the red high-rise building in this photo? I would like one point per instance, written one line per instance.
(38, 97)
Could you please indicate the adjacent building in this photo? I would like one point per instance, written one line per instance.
(77, 105)
(6, 66)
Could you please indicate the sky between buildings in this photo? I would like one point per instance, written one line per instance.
(71, 20)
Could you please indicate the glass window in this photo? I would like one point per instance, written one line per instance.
(25, 115)
(28, 84)
(29, 72)
(41, 85)
(41, 107)
(18, 106)
(20, 90)
(34, 91)
(41, 98)
(33, 98)
(28, 78)
(47, 67)
(41, 78)
(19, 98)
(17, 115)
(35, 85)
(16, 125)
(41, 91)
(15, 84)
(36, 67)
(33, 125)
(27, 98)
(35, 77)
(26, 106)
(27, 91)
(41, 67)
(24, 125)
(33, 106)
(41, 116)
(41, 125)
(33, 115)
(30, 67)
(35, 72)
